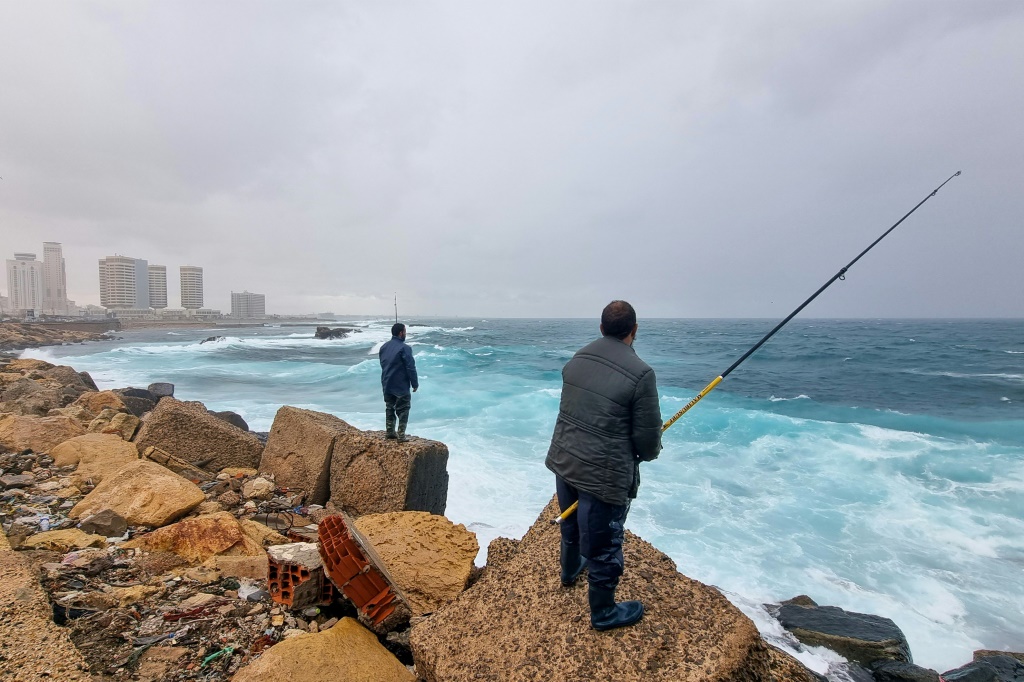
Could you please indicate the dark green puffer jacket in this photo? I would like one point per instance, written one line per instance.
(609, 420)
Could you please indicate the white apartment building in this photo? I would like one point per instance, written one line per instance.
(55, 281)
(246, 305)
(191, 287)
(25, 283)
(124, 283)
(158, 286)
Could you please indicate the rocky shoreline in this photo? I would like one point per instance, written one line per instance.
(152, 539)
(15, 336)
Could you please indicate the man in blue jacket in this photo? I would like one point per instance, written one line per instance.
(609, 421)
(397, 375)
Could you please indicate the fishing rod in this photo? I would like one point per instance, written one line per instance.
(717, 380)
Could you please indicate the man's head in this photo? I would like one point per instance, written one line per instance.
(398, 329)
(618, 319)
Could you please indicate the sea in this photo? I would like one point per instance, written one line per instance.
(874, 465)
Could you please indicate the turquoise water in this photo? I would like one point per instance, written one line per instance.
(876, 465)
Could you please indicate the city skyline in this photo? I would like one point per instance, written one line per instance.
(124, 283)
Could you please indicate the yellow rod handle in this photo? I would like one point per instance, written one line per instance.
(561, 518)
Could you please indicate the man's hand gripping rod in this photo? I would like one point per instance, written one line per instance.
(561, 518)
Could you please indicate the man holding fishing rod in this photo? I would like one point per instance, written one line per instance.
(609, 421)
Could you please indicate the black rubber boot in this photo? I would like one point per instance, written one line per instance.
(572, 563)
(390, 430)
(605, 614)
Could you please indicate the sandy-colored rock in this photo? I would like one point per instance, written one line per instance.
(258, 489)
(208, 507)
(40, 434)
(97, 456)
(373, 475)
(429, 557)
(299, 449)
(197, 539)
(95, 401)
(77, 412)
(234, 472)
(34, 647)
(517, 622)
(123, 424)
(25, 365)
(126, 596)
(317, 658)
(144, 493)
(240, 566)
(63, 540)
(192, 434)
(102, 420)
(262, 535)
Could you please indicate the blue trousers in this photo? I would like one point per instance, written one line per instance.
(598, 528)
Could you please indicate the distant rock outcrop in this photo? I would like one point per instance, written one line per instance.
(336, 333)
(517, 622)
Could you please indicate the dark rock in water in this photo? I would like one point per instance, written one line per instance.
(161, 389)
(897, 671)
(988, 669)
(232, 418)
(133, 392)
(337, 333)
(263, 436)
(860, 637)
(137, 406)
(211, 339)
(107, 523)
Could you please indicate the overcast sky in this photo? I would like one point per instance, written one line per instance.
(700, 159)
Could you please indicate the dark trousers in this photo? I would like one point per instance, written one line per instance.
(598, 528)
(396, 405)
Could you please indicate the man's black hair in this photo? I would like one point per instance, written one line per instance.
(618, 319)
(397, 328)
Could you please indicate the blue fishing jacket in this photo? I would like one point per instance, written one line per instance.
(397, 367)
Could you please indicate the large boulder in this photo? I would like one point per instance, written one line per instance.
(860, 637)
(97, 456)
(1002, 668)
(31, 398)
(95, 401)
(299, 448)
(429, 558)
(347, 651)
(76, 412)
(200, 538)
(144, 494)
(37, 434)
(517, 622)
(63, 540)
(190, 433)
(123, 424)
(373, 475)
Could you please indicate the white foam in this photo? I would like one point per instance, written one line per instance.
(773, 399)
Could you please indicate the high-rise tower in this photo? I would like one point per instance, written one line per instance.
(191, 287)
(124, 283)
(158, 286)
(25, 282)
(55, 286)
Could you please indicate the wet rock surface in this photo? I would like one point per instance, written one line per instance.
(859, 637)
(988, 669)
